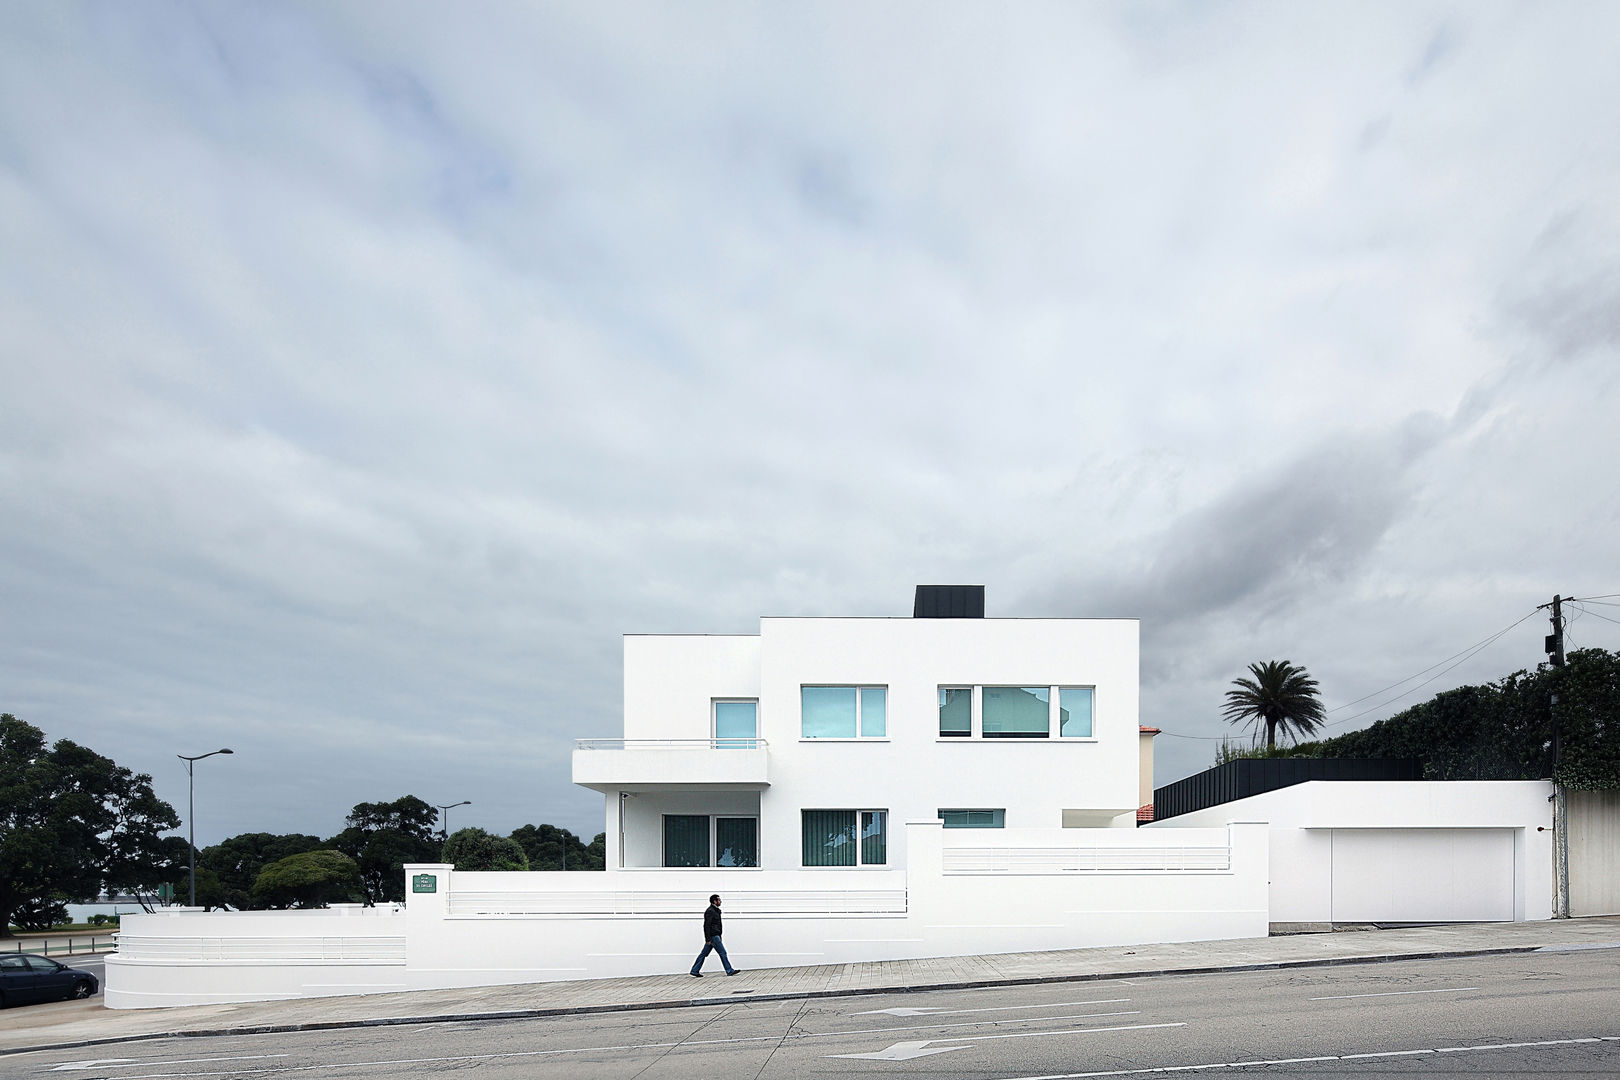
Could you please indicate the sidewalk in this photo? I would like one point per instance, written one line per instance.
(84, 1023)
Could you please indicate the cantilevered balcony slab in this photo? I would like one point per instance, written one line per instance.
(608, 765)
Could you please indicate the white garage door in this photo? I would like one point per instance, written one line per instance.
(1422, 875)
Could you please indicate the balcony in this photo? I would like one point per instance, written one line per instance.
(609, 765)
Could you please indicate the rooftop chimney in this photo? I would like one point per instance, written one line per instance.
(949, 602)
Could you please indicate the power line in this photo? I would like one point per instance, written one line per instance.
(1460, 657)
(1599, 615)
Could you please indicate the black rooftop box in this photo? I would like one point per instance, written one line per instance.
(949, 602)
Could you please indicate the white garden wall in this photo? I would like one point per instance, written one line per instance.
(964, 892)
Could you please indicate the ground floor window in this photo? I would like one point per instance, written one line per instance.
(844, 837)
(974, 819)
(710, 840)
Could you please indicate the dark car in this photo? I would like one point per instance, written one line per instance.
(25, 977)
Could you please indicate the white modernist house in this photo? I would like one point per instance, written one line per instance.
(809, 744)
(857, 789)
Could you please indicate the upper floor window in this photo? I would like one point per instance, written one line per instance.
(844, 712)
(1016, 712)
(736, 724)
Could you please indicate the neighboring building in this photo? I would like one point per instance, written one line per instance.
(808, 744)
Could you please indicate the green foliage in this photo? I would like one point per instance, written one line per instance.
(309, 879)
(237, 862)
(1501, 730)
(475, 849)
(1279, 696)
(551, 848)
(102, 919)
(72, 823)
(382, 838)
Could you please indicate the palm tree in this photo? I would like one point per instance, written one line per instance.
(1279, 695)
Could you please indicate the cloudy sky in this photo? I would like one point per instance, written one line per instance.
(366, 372)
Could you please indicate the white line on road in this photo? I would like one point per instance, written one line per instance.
(905, 1051)
(132, 1063)
(1163, 1069)
(1396, 993)
(998, 1008)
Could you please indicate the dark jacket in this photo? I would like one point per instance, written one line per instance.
(711, 923)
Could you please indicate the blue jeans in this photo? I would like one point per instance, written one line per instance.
(714, 945)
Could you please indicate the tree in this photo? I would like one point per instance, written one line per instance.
(72, 823)
(238, 860)
(551, 848)
(382, 838)
(1279, 695)
(309, 879)
(475, 849)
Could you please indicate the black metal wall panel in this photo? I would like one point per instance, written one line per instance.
(1250, 776)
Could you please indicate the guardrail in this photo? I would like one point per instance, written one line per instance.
(73, 946)
(670, 744)
(1083, 859)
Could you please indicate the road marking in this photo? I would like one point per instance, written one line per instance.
(1164, 1069)
(906, 1011)
(903, 1051)
(971, 1023)
(135, 1063)
(1396, 993)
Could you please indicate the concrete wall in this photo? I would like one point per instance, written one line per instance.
(964, 892)
(1594, 852)
(1446, 837)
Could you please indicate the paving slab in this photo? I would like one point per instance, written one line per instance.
(85, 1023)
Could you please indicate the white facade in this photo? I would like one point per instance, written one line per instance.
(671, 762)
(1401, 851)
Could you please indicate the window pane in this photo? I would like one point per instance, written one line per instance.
(736, 724)
(874, 842)
(736, 841)
(874, 712)
(974, 819)
(829, 837)
(1074, 712)
(827, 712)
(686, 840)
(955, 711)
(1017, 712)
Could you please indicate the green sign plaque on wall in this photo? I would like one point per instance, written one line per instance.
(424, 883)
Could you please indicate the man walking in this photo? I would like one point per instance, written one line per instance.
(711, 939)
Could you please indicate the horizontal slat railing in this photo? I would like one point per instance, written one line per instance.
(388, 949)
(1080, 859)
(677, 902)
(670, 744)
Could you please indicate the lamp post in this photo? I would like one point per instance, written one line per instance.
(444, 830)
(191, 814)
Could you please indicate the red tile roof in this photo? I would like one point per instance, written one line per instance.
(1144, 813)
(1145, 730)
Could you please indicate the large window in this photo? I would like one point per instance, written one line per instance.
(705, 840)
(974, 819)
(843, 712)
(736, 724)
(845, 837)
(1016, 712)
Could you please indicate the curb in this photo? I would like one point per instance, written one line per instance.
(865, 991)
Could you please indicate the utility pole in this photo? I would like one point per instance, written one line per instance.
(1553, 646)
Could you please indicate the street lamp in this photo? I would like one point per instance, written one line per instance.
(191, 813)
(444, 831)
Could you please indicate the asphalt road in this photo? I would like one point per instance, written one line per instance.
(1541, 1015)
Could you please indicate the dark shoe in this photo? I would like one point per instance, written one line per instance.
(735, 971)
(695, 974)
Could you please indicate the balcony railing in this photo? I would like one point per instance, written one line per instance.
(669, 744)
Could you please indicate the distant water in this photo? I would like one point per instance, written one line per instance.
(81, 913)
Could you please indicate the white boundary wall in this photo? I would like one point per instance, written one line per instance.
(964, 892)
(1445, 819)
